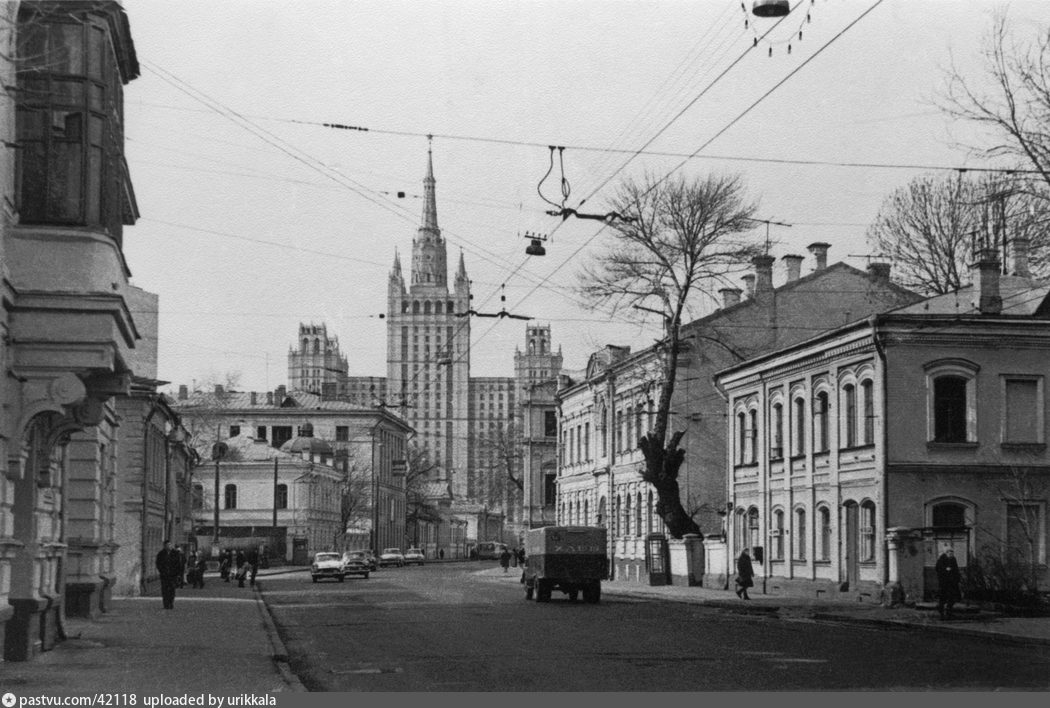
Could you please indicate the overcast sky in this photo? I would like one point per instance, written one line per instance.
(256, 217)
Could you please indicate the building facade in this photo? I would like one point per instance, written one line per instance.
(70, 330)
(858, 456)
(316, 364)
(607, 407)
(536, 371)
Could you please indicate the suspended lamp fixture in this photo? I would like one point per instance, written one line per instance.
(770, 8)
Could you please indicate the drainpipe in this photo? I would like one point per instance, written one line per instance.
(610, 506)
(880, 349)
(729, 493)
(143, 518)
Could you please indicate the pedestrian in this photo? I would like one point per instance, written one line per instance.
(521, 556)
(253, 566)
(181, 580)
(504, 559)
(441, 553)
(514, 557)
(201, 566)
(744, 575)
(168, 566)
(948, 580)
(224, 566)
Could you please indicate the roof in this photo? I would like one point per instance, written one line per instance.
(1023, 297)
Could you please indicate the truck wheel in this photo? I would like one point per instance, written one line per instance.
(592, 592)
(573, 594)
(543, 591)
(528, 591)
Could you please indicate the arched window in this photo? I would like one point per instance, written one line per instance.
(317, 346)
(849, 402)
(949, 515)
(753, 528)
(649, 513)
(616, 518)
(800, 534)
(778, 534)
(437, 307)
(638, 515)
(627, 515)
(600, 520)
(825, 533)
(776, 439)
(741, 438)
(752, 436)
(281, 501)
(867, 391)
(799, 442)
(426, 307)
(415, 307)
(230, 496)
(820, 422)
(586, 513)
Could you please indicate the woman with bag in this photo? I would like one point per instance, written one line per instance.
(744, 575)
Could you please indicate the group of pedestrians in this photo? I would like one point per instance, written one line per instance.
(507, 556)
(176, 570)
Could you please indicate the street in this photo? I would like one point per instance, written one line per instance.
(441, 627)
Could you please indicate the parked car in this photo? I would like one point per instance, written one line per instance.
(367, 556)
(414, 555)
(327, 564)
(391, 556)
(355, 564)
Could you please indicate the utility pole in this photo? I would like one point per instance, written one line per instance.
(275, 491)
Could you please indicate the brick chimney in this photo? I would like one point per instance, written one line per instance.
(219, 390)
(730, 296)
(255, 397)
(985, 273)
(880, 272)
(1019, 250)
(279, 395)
(184, 392)
(793, 263)
(763, 273)
(749, 284)
(820, 252)
(269, 398)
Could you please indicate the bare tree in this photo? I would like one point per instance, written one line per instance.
(680, 238)
(929, 227)
(501, 453)
(205, 412)
(355, 496)
(418, 473)
(1015, 106)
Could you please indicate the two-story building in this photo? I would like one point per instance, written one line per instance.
(858, 455)
(607, 407)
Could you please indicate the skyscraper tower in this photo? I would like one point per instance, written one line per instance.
(428, 347)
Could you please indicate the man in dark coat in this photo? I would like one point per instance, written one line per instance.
(169, 565)
(745, 574)
(948, 581)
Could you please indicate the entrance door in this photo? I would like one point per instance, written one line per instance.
(852, 545)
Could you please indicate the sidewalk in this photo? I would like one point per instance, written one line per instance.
(969, 620)
(219, 639)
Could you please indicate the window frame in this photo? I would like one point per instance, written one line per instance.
(960, 368)
(1040, 407)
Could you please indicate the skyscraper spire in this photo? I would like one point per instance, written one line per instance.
(430, 215)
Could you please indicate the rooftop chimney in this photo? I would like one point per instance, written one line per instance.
(879, 272)
(279, 394)
(255, 398)
(749, 284)
(763, 272)
(269, 398)
(820, 252)
(1019, 248)
(985, 274)
(730, 296)
(219, 390)
(794, 266)
(184, 392)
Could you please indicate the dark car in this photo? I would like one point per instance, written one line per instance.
(367, 556)
(355, 565)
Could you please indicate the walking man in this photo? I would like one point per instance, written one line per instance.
(169, 565)
(745, 574)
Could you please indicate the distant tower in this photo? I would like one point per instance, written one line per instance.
(315, 363)
(428, 347)
(536, 372)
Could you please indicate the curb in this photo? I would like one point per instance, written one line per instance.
(278, 651)
(996, 637)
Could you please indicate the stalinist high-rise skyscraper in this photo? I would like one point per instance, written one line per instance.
(428, 348)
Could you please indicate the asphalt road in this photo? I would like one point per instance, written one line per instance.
(442, 628)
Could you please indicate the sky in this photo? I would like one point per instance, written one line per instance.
(255, 216)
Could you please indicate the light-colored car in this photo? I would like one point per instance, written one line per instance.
(355, 564)
(414, 555)
(327, 564)
(391, 556)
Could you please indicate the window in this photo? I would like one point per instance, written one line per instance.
(260, 432)
(550, 487)
(799, 443)
(638, 413)
(825, 533)
(230, 496)
(1026, 534)
(752, 436)
(281, 499)
(868, 391)
(800, 534)
(849, 400)
(587, 441)
(197, 502)
(627, 515)
(753, 528)
(281, 434)
(949, 516)
(342, 433)
(867, 531)
(949, 409)
(1023, 410)
(550, 423)
(638, 515)
(776, 450)
(820, 422)
(778, 534)
(741, 438)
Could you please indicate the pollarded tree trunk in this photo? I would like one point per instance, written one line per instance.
(661, 471)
